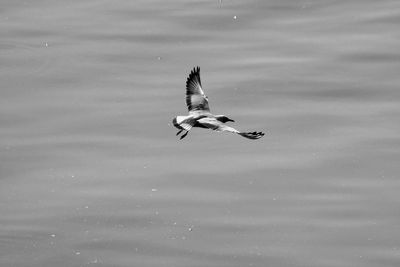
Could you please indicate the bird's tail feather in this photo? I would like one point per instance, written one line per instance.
(252, 135)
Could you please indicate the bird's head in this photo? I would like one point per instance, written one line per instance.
(223, 118)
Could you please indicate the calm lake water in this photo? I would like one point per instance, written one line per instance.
(92, 174)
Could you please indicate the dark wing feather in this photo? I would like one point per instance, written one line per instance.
(196, 100)
(253, 135)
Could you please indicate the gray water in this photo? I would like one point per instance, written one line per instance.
(92, 174)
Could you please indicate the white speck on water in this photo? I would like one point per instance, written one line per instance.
(154, 190)
(234, 17)
(77, 253)
(53, 235)
(96, 260)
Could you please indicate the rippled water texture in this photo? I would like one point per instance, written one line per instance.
(92, 174)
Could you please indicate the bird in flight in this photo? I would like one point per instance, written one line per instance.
(199, 112)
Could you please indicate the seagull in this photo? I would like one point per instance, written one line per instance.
(199, 112)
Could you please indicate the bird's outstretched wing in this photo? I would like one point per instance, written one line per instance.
(196, 100)
(216, 125)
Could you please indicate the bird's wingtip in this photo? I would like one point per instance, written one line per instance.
(253, 135)
(196, 70)
(194, 74)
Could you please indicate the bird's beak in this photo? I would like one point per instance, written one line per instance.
(231, 120)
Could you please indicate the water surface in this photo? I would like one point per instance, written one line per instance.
(92, 174)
